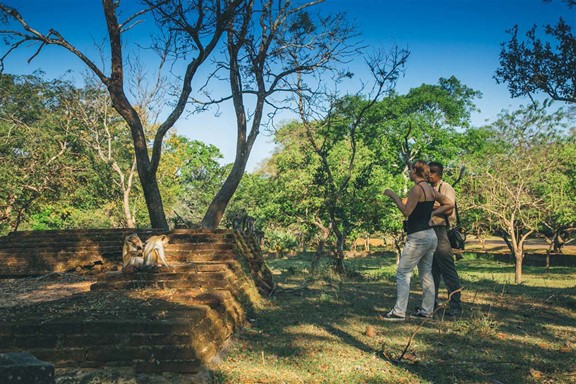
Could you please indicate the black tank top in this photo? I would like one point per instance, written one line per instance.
(420, 217)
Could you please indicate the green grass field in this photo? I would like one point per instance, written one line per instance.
(312, 329)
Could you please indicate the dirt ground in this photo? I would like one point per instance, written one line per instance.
(32, 290)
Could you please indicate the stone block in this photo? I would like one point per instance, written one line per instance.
(24, 368)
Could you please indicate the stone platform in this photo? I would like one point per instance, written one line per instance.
(161, 319)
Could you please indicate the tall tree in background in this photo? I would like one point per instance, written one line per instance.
(190, 176)
(512, 175)
(422, 123)
(537, 65)
(189, 31)
(36, 146)
(332, 120)
(558, 225)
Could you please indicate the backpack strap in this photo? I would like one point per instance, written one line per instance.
(455, 208)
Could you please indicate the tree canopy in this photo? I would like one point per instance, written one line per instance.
(540, 64)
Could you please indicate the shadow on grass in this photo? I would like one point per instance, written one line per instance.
(505, 331)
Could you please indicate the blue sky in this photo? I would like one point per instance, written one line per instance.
(445, 37)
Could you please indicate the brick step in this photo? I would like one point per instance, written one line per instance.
(214, 246)
(156, 360)
(152, 334)
(112, 247)
(184, 231)
(103, 234)
(198, 257)
(116, 238)
(198, 282)
(239, 289)
(148, 359)
(107, 247)
(186, 271)
(115, 252)
(59, 239)
(199, 238)
(118, 320)
(194, 267)
(65, 254)
(36, 264)
(82, 232)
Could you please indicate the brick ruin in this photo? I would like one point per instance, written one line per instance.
(172, 319)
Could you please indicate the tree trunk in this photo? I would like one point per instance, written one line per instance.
(126, 206)
(215, 211)
(150, 188)
(339, 251)
(481, 240)
(399, 240)
(153, 201)
(518, 270)
(324, 235)
(318, 254)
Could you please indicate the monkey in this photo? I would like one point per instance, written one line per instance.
(132, 251)
(154, 250)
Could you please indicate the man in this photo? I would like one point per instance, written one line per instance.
(443, 263)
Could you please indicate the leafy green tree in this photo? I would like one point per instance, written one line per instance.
(332, 123)
(300, 184)
(424, 123)
(547, 65)
(559, 220)
(281, 195)
(428, 122)
(512, 175)
(187, 33)
(190, 176)
(36, 146)
(106, 137)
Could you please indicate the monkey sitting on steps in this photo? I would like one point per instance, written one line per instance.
(132, 251)
(154, 251)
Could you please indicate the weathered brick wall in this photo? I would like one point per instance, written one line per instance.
(248, 247)
(29, 253)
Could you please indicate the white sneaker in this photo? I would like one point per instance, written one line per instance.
(391, 316)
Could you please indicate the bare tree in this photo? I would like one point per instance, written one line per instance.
(103, 131)
(268, 42)
(189, 30)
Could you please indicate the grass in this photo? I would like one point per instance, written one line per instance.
(312, 329)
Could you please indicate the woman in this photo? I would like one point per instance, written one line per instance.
(420, 243)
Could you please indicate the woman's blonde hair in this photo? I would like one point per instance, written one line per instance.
(421, 169)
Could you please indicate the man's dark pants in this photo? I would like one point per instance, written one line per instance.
(443, 268)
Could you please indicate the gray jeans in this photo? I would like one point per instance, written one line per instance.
(418, 251)
(443, 268)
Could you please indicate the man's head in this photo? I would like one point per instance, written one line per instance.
(436, 171)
